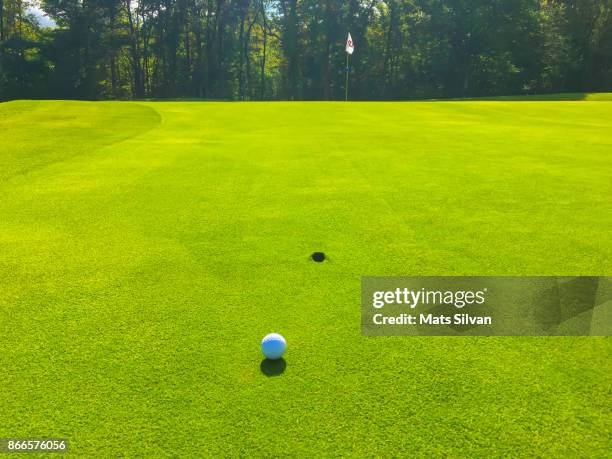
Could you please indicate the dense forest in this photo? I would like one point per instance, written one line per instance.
(295, 49)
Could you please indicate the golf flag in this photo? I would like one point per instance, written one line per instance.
(350, 47)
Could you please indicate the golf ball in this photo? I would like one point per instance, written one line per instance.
(273, 346)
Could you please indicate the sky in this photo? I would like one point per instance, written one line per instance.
(40, 15)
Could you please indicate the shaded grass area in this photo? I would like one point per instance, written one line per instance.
(145, 256)
(41, 133)
(602, 96)
(579, 96)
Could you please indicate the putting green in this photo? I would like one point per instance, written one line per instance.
(146, 248)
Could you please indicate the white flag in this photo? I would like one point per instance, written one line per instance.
(350, 47)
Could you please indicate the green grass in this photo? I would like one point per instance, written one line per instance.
(145, 249)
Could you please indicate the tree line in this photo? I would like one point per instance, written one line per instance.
(294, 49)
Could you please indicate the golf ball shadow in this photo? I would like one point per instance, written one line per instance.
(273, 367)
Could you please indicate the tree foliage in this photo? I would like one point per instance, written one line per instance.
(294, 49)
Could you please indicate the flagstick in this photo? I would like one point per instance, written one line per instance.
(347, 72)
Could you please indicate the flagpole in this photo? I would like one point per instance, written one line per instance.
(347, 75)
(350, 47)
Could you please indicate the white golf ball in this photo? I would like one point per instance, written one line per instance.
(273, 346)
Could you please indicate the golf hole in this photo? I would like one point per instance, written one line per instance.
(318, 257)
